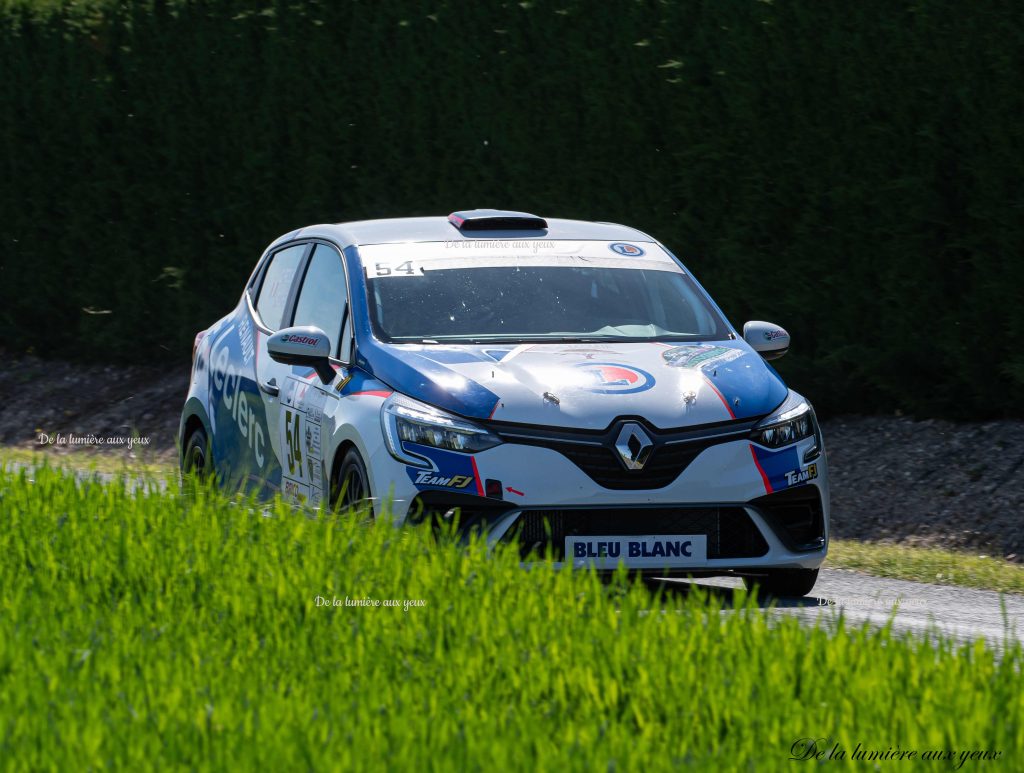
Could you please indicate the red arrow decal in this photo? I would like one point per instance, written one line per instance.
(511, 490)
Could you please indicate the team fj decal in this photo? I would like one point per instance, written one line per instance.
(451, 470)
(430, 478)
(771, 335)
(610, 378)
(699, 355)
(624, 248)
(802, 476)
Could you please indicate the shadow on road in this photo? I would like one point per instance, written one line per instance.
(724, 594)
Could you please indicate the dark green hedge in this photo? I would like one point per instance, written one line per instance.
(853, 171)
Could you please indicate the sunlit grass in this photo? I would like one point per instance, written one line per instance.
(145, 463)
(165, 630)
(934, 565)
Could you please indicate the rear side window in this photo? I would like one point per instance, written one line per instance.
(277, 283)
(324, 296)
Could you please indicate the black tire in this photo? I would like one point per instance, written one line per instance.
(198, 458)
(350, 487)
(783, 582)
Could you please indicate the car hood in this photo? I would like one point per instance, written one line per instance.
(585, 386)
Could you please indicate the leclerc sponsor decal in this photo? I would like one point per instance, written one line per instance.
(609, 378)
(242, 446)
(231, 404)
(624, 248)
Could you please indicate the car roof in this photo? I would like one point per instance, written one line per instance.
(439, 229)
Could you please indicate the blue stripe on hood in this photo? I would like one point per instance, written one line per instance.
(749, 386)
(753, 382)
(424, 379)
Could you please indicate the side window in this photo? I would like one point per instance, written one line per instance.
(277, 283)
(323, 296)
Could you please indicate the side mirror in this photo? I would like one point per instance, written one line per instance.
(768, 340)
(307, 346)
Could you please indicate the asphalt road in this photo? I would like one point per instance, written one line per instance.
(963, 614)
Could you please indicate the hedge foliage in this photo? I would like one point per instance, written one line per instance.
(853, 172)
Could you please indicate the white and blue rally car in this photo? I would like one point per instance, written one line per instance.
(565, 383)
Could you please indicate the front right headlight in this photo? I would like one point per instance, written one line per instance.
(792, 421)
(406, 420)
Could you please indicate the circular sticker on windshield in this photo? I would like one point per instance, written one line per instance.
(609, 378)
(624, 248)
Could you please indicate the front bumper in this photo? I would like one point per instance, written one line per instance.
(785, 530)
(755, 511)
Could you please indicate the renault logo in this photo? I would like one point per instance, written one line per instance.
(633, 446)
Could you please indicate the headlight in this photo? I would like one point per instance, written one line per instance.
(406, 420)
(792, 421)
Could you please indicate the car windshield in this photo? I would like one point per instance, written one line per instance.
(516, 303)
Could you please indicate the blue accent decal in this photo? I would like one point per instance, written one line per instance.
(776, 464)
(454, 471)
(497, 354)
(612, 378)
(749, 386)
(361, 382)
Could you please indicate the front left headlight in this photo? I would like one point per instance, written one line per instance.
(792, 421)
(406, 420)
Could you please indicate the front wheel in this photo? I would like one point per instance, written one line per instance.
(783, 582)
(350, 487)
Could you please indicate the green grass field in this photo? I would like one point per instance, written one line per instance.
(902, 562)
(168, 630)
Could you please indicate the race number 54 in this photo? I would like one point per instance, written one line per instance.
(383, 269)
(292, 436)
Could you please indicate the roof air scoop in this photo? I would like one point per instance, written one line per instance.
(496, 220)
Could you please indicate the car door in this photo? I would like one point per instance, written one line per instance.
(320, 300)
(246, 432)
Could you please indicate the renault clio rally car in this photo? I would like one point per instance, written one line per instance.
(565, 383)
